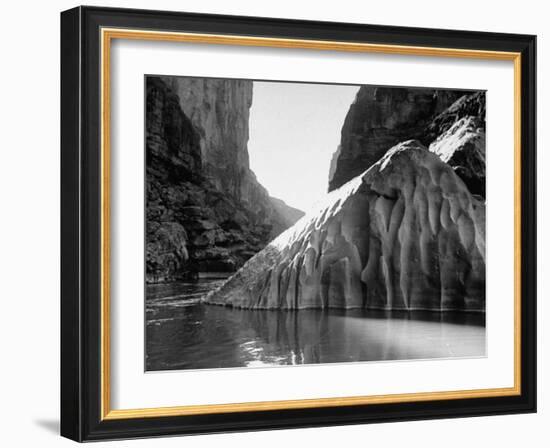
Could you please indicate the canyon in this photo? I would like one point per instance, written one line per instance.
(206, 211)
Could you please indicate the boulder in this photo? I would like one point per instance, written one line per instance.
(406, 234)
(166, 252)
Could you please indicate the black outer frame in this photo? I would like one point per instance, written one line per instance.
(80, 223)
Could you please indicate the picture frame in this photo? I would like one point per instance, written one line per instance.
(86, 37)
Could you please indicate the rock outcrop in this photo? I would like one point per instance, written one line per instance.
(457, 136)
(471, 105)
(206, 211)
(405, 234)
(462, 146)
(450, 122)
(380, 118)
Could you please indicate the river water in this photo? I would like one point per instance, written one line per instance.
(183, 333)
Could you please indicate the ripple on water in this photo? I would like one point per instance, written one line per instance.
(183, 333)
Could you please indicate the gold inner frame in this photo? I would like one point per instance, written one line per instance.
(107, 35)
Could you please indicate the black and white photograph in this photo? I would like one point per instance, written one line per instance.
(275, 224)
(302, 223)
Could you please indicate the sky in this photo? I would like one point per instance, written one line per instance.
(294, 130)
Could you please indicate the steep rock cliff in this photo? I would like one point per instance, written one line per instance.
(205, 209)
(405, 234)
(172, 152)
(219, 110)
(380, 118)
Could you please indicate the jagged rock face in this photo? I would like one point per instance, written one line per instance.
(472, 105)
(173, 152)
(457, 136)
(405, 234)
(166, 250)
(202, 216)
(462, 146)
(380, 118)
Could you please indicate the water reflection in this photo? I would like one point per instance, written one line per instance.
(183, 333)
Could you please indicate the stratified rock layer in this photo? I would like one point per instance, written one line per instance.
(205, 209)
(380, 118)
(406, 234)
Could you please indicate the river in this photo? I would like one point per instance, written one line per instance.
(183, 333)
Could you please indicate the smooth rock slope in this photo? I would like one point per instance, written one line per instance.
(406, 234)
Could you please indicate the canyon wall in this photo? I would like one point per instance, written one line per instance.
(458, 137)
(379, 118)
(219, 111)
(206, 211)
(404, 234)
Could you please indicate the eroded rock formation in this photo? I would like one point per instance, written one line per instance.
(205, 209)
(404, 234)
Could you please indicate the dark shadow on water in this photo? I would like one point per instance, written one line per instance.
(49, 425)
(199, 336)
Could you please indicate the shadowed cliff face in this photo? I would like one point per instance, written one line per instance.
(219, 111)
(405, 234)
(205, 209)
(380, 118)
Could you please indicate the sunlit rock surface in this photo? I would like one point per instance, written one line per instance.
(405, 234)
(470, 105)
(462, 146)
(458, 137)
